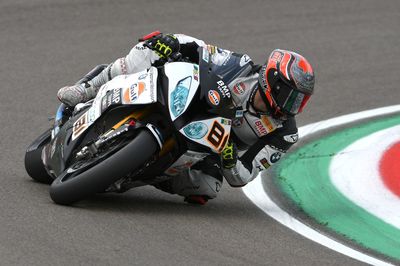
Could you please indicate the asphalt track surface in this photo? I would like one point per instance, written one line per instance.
(45, 44)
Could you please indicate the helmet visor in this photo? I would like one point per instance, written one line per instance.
(289, 100)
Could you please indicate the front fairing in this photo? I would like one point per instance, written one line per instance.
(199, 102)
(55, 154)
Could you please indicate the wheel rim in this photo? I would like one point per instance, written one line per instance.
(80, 166)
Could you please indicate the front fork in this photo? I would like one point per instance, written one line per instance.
(134, 122)
(128, 124)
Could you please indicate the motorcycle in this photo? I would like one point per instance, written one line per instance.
(140, 129)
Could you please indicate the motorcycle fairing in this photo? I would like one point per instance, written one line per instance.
(183, 82)
(135, 89)
(213, 133)
(185, 162)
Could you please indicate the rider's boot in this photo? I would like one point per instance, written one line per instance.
(196, 199)
(194, 185)
(83, 90)
(72, 95)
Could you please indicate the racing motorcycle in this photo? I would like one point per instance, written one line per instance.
(140, 129)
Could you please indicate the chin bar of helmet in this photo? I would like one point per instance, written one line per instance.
(273, 106)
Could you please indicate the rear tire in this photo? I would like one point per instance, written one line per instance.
(33, 159)
(99, 177)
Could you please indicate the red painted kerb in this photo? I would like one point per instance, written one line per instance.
(389, 168)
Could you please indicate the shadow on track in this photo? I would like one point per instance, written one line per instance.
(147, 200)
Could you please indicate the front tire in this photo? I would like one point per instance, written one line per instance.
(33, 159)
(99, 177)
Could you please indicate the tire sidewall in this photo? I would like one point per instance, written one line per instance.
(99, 177)
(33, 159)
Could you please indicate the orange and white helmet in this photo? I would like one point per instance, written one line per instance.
(286, 81)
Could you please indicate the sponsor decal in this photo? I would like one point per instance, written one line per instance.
(260, 128)
(275, 157)
(225, 121)
(264, 162)
(116, 96)
(196, 130)
(239, 88)
(244, 60)
(140, 47)
(112, 97)
(291, 138)
(152, 88)
(132, 93)
(223, 89)
(239, 113)
(276, 56)
(206, 55)
(217, 137)
(265, 120)
(79, 126)
(214, 97)
(196, 73)
(143, 76)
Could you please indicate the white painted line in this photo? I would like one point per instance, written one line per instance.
(315, 127)
(255, 192)
(354, 172)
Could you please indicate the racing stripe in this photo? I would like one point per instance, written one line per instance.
(389, 168)
(319, 198)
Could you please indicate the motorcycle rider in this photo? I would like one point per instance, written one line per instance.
(267, 98)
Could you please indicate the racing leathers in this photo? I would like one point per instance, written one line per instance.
(260, 139)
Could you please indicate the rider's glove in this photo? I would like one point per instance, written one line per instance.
(165, 45)
(229, 156)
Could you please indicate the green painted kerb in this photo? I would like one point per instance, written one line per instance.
(304, 177)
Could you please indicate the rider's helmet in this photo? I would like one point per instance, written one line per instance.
(286, 82)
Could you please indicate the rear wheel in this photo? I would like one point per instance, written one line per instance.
(33, 159)
(85, 178)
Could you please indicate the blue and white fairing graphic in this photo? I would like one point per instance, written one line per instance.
(183, 82)
(195, 130)
(179, 96)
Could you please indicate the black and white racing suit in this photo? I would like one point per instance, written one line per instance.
(261, 139)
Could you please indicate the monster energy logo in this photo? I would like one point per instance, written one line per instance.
(163, 49)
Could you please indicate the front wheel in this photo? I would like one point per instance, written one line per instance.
(33, 159)
(69, 188)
